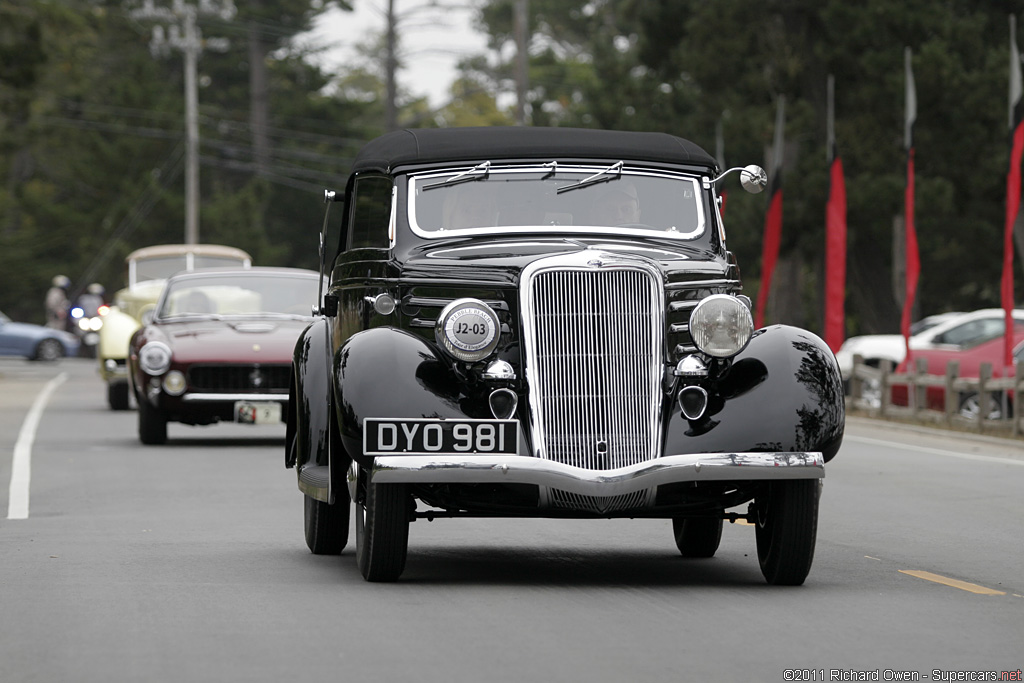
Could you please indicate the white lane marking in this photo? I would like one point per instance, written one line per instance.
(935, 451)
(21, 465)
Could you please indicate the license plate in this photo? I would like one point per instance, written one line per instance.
(382, 436)
(248, 412)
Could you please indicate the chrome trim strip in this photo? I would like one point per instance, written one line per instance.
(214, 398)
(496, 469)
(695, 284)
(676, 306)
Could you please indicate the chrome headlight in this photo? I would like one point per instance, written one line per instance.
(721, 325)
(155, 358)
(468, 329)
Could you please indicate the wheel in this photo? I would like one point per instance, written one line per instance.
(49, 350)
(787, 526)
(117, 395)
(327, 525)
(970, 406)
(697, 536)
(382, 531)
(152, 425)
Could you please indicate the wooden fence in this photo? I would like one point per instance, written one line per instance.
(870, 391)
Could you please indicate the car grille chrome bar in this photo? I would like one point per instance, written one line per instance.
(594, 338)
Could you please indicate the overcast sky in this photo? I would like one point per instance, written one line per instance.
(433, 40)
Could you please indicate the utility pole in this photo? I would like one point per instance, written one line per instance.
(183, 34)
(390, 67)
(520, 21)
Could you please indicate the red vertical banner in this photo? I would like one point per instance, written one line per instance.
(913, 260)
(773, 219)
(835, 258)
(835, 239)
(913, 267)
(1013, 180)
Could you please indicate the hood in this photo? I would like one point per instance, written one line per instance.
(243, 340)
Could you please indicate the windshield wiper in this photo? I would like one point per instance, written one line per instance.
(478, 172)
(602, 176)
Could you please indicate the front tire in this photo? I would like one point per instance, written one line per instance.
(117, 394)
(697, 536)
(382, 531)
(786, 530)
(327, 525)
(152, 425)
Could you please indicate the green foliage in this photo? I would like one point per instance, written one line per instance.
(683, 66)
(92, 142)
(92, 129)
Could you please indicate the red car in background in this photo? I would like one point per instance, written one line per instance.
(970, 358)
(219, 347)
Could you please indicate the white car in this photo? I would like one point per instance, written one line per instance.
(945, 330)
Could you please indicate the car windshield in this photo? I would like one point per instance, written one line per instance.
(608, 198)
(239, 295)
(161, 268)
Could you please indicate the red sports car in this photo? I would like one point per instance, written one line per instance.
(970, 359)
(219, 347)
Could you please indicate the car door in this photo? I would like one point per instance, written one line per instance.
(361, 269)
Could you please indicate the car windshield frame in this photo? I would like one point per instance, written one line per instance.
(553, 189)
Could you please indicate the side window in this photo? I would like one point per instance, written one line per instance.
(371, 213)
(973, 332)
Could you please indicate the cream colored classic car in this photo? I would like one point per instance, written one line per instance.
(147, 272)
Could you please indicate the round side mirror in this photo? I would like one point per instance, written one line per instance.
(753, 179)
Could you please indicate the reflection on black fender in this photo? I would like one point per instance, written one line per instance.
(782, 393)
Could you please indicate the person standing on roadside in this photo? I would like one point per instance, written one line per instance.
(57, 302)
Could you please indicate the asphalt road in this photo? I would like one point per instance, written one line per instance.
(186, 562)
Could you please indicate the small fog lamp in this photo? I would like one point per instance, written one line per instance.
(174, 383)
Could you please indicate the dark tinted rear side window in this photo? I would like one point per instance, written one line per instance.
(371, 213)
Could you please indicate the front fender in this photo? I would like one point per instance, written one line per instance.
(385, 372)
(310, 430)
(784, 392)
(116, 333)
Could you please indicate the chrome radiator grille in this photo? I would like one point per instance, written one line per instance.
(594, 362)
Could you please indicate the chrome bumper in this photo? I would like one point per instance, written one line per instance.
(111, 370)
(224, 398)
(671, 469)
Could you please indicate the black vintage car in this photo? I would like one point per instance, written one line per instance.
(546, 322)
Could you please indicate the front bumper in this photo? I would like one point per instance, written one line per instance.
(114, 369)
(214, 397)
(671, 469)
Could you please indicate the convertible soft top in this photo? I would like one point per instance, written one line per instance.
(434, 145)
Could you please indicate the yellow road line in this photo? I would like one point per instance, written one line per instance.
(962, 585)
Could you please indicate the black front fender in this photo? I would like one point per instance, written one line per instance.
(311, 442)
(784, 392)
(386, 372)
